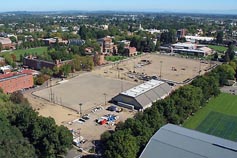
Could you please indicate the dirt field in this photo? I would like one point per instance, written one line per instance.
(97, 87)
(89, 89)
(169, 67)
(47, 109)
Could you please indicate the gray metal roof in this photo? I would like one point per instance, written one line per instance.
(173, 141)
(146, 93)
(12, 77)
(142, 88)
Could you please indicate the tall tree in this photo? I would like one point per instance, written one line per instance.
(219, 37)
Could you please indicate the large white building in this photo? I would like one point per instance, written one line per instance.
(198, 38)
(142, 96)
(191, 49)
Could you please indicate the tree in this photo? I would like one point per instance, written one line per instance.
(121, 49)
(13, 39)
(230, 51)
(121, 144)
(13, 144)
(219, 37)
(157, 47)
(1, 47)
(18, 98)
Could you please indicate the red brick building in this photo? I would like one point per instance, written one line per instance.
(99, 59)
(107, 46)
(13, 82)
(6, 43)
(130, 51)
(37, 64)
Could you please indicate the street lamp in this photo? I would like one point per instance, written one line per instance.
(105, 97)
(160, 68)
(80, 109)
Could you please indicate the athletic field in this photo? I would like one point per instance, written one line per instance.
(218, 118)
(18, 53)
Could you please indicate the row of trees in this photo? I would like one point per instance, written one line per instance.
(25, 134)
(130, 137)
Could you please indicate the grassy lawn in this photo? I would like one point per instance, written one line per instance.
(219, 49)
(38, 51)
(114, 58)
(226, 107)
(220, 125)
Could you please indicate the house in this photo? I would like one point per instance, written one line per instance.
(6, 43)
(172, 141)
(5, 69)
(49, 41)
(77, 42)
(125, 42)
(13, 82)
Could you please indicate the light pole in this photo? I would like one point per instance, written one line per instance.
(160, 68)
(105, 97)
(200, 66)
(80, 109)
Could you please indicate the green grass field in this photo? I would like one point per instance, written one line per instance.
(219, 49)
(114, 58)
(220, 125)
(38, 50)
(218, 117)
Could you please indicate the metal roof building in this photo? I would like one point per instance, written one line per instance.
(142, 96)
(173, 141)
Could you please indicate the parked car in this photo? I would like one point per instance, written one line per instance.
(112, 108)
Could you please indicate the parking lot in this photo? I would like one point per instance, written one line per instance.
(90, 129)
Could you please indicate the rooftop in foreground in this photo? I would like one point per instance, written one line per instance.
(175, 141)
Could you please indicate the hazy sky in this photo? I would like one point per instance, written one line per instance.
(128, 5)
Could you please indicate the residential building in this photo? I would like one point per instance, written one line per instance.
(13, 82)
(172, 141)
(6, 43)
(125, 42)
(77, 42)
(5, 69)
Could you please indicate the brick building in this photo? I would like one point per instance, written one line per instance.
(13, 82)
(37, 64)
(107, 46)
(130, 51)
(99, 59)
(6, 43)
